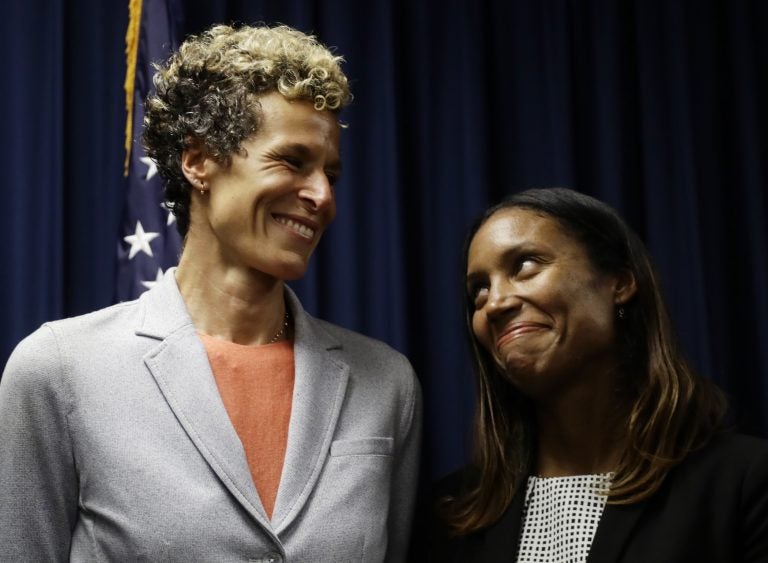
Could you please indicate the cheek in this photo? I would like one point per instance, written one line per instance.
(593, 321)
(604, 325)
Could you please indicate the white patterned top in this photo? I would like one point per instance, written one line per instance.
(560, 517)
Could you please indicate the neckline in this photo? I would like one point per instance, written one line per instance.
(606, 474)
(228, 343)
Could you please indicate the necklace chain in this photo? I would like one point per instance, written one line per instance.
(283, 328)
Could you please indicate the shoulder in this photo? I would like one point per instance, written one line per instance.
(366, 355)
(730, 452)
(733, 442)
(92, 323)
(356, 344)
(742, 458)
(723, 488)
(38, 344)
(42, 356)
(359, 351)
(722, 464)
(34, 364)
(730, 473)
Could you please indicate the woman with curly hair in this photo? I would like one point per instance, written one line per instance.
(213, 419)
(594, 440)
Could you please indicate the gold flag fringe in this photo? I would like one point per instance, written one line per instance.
(131, 52)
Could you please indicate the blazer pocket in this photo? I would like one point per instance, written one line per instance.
(363, 446)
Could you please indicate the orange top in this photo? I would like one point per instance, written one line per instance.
(256, 386)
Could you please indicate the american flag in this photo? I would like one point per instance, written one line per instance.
(149, 243)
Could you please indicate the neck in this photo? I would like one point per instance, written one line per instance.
(580, 432)
(245, 307)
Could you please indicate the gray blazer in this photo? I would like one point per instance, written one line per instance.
(115, 446)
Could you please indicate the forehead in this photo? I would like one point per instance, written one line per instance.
(518, 228)
(296, 121)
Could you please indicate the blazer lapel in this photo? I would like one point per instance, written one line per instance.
(502, 539)
(613, 532)
(319, 388)
(181, 369)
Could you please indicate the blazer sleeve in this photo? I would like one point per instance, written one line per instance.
(405, 473)
(755, 502)
(38, 482)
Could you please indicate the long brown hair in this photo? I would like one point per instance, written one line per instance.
(671, 410)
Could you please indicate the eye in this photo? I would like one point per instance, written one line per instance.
(292, 161)
(478, 294)
(333, 177)
(526, 265)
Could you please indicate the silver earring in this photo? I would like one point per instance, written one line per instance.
(202, 187)
(621, 313)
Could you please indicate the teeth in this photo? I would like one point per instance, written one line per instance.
(298, 227)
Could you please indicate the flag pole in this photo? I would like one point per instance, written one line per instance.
(131, 51)
(149, 241)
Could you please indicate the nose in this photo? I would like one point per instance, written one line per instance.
(317, 192)
(501, 300)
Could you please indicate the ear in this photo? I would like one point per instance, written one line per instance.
(625, 287)
(195, 165)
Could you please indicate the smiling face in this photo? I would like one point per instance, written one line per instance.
(267, 210)
(540, 309)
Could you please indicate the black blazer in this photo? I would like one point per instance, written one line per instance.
(713, 507)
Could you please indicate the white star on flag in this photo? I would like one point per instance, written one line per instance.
(139, 241)
(151, 284)
(140, 253)
(151, 167)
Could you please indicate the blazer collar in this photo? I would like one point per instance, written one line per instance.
(613, 531)
(162, 309)
(164, 312)
(180, 366)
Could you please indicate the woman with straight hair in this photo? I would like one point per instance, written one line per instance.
(594, 440)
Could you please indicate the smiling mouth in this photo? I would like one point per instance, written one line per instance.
(298, 228)
(516, 330)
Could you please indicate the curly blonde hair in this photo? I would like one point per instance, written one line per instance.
(206, 93)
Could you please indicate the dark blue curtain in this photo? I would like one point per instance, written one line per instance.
(656, 106)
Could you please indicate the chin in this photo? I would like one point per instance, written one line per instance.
(524, 376)
(517, 367)
(291, 272)
(288, 266)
